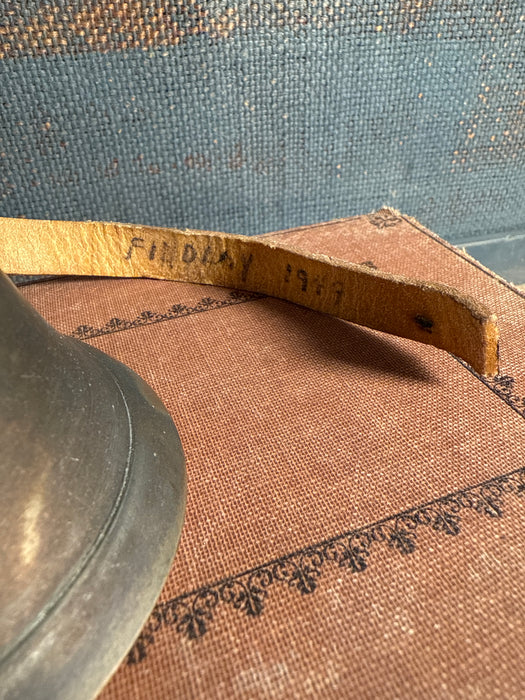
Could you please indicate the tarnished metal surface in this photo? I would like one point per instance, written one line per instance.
(91, 507)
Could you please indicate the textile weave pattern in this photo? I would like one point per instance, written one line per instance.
(355, 513)
(257, 116)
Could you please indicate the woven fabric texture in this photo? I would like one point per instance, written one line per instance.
(355, 515)
(255, 116)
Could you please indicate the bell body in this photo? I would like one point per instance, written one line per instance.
(92, 502)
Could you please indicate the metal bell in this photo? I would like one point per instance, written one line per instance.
(91, 507)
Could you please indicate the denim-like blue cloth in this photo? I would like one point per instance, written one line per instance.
(261, 116)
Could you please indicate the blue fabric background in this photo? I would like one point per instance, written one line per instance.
(275, 124)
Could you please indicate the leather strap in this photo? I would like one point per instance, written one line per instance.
(428, 312)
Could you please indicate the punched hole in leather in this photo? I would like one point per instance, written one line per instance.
(82, 513)
(426, 311)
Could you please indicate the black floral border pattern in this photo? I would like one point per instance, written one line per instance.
(384, 218)
(191, 613)
(503, 385)
(147, 318)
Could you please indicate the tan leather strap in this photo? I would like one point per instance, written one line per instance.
(428, 312)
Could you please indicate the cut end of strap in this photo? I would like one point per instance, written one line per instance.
(427, 312)
(482, 353)
(489, 364)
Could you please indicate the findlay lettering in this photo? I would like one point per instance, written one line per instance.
(168, 253)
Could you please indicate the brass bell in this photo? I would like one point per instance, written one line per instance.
(93, 471)
(91, 507)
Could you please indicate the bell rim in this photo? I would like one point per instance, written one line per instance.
(125, 573)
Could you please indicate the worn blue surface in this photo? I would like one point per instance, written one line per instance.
(268, 130)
